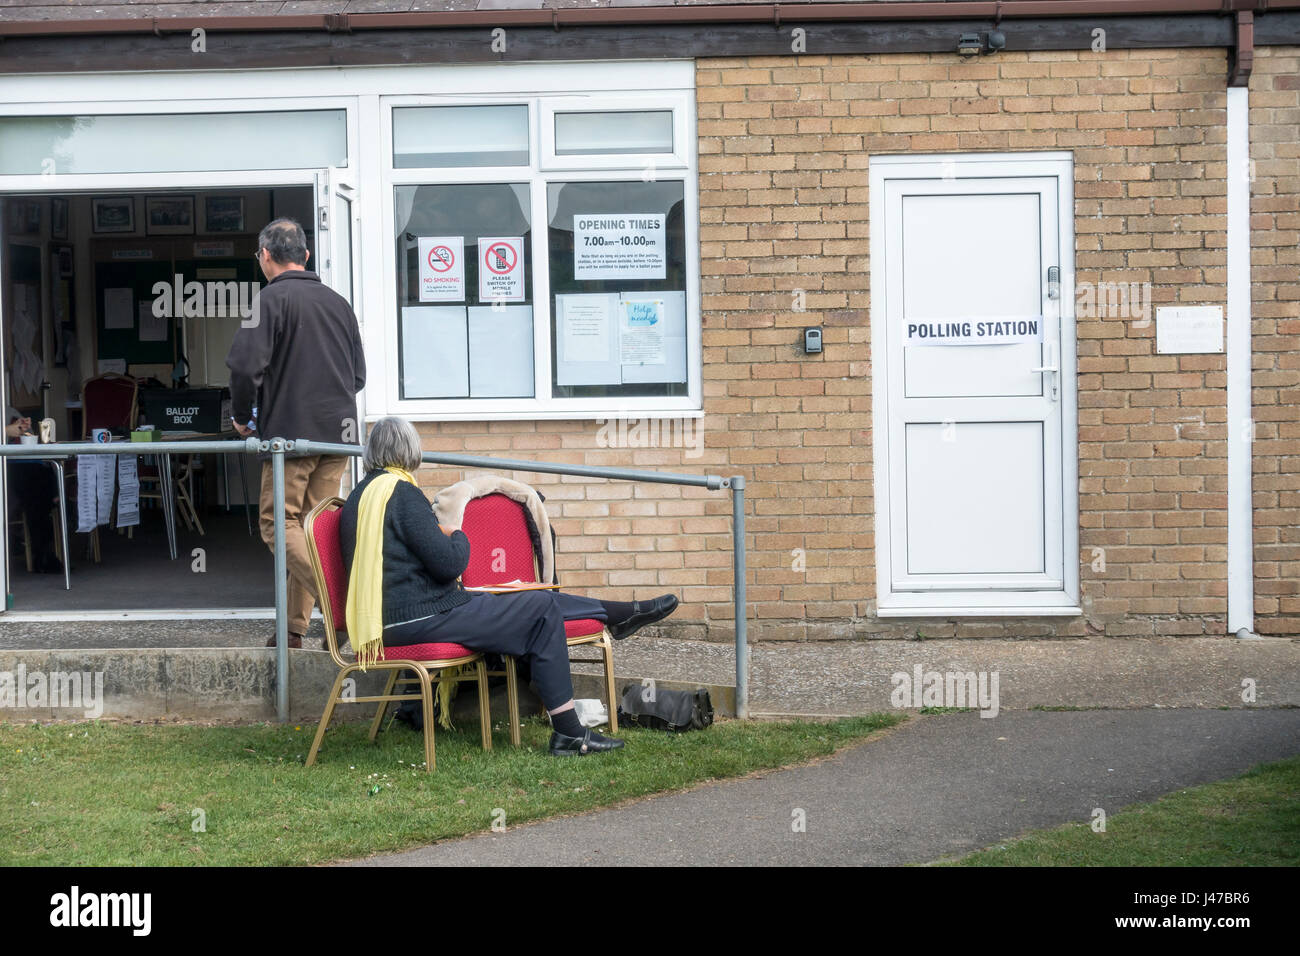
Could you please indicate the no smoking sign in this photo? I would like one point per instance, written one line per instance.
(442, 268)
(501, 270)
(441, 259)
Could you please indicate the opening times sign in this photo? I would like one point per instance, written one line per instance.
(619, 246)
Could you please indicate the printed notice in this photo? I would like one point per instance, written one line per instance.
(442, 268)
(586, 328)
(988, 331)
(153, 328)
(128, 491)
(641, 332)
(119, 309)
(619, 246)
(1189, 330)
(501, 270)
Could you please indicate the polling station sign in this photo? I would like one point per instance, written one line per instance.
(995, 331)
(501, 270)
(442, 268)
(619, 246)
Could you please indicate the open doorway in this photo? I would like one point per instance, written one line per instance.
(134, 287)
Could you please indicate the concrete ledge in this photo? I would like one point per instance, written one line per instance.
(189, 683)
(238, 684)
(826, 679)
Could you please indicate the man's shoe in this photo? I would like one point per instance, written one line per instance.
(562, 745)
(295, 641)
(647, 613)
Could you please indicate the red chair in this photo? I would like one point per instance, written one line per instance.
(501, 550)
(427, 661)
(108, 401)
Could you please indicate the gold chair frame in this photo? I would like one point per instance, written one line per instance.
(602, 641)
(428, 673)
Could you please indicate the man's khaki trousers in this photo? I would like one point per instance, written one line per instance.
(307, 482)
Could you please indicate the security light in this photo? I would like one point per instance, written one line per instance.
(970, 45)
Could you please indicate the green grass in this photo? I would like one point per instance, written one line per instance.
(1251, 820)
(111, 794)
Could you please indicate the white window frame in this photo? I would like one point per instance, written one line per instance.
(368, 94)
(537, 175)
(678, 158)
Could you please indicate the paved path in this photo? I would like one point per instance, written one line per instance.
(936, 786)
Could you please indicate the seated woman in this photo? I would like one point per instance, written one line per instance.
(34, 493)
(403, 589)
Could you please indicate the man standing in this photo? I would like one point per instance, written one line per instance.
(298, 361)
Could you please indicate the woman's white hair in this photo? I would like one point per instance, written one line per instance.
(392, 442)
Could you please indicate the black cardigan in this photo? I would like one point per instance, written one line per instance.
(421, 564)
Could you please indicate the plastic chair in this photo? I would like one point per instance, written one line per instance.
(497, 530)
(425, 660)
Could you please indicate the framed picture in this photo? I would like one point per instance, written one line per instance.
(223, 214)
(113, 214)
(58, 218)
(24, 216)
(169, 215)
(63, 255)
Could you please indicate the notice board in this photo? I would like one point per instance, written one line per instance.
(117, 320)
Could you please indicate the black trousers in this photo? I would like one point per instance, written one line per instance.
(527, 624)
(34, 490)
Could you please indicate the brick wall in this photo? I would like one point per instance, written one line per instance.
(784, 146)
(1275, 259)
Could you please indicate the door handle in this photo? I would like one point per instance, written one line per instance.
(1051, 368)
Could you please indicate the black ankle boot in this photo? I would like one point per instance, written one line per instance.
(650, 611)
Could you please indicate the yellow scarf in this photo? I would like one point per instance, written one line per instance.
(365, 608)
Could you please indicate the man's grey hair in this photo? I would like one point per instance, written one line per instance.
(392, 442)
(285, 241)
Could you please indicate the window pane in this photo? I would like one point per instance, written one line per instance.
(173, 142)
(464, 298)
(627, 131)
(441, 136)
(618, 288)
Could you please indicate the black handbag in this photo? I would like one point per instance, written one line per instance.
(658, 709)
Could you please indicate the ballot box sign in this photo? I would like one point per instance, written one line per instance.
(501, 271)
(619, 246)
(1185, 330)
(185, 409)
(442, 268)
(982, 331)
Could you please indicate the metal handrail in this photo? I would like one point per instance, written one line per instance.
(277, 448)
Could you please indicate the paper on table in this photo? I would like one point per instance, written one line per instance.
(128, 492)
(119, 308)
(515, 585)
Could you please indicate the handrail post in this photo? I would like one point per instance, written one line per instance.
(276, 446)
(738, 563)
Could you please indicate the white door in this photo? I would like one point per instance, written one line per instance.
(338, 227)
(977, 511)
